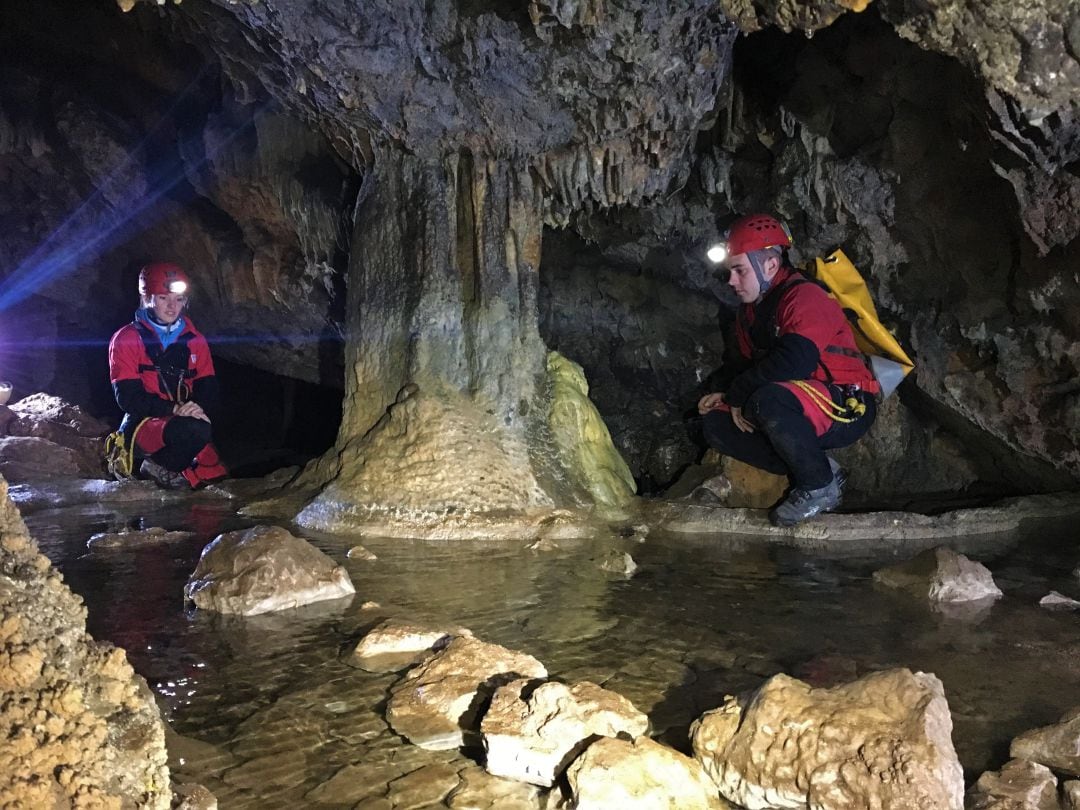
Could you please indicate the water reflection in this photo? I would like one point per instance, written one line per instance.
(290, 723)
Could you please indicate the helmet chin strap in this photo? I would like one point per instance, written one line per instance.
(763, 283)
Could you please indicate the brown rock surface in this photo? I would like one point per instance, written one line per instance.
(640, 775)
(264, 569)
(533, 734)
(1056, 746)
(80, 728)
(436, 705)
(1019, 785)
(881, 741)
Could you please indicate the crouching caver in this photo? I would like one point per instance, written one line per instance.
(802, 386)
(164, 381)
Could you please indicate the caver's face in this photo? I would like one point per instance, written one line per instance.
(167, 307)
(743, 279)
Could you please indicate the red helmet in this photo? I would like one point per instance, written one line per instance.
(162, 278)
(757, 232)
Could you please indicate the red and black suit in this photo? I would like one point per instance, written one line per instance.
(795, 332)
(149, 380)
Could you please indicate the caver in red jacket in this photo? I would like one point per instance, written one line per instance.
(798, 332)
(149, 380)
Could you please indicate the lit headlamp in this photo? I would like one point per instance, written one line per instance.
(717, 253)
(178, 287)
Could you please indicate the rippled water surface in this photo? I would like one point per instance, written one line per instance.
(271, 711)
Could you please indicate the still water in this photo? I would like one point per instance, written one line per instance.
(272, 715)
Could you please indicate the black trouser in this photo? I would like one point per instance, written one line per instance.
(784, 441)
(184, 437)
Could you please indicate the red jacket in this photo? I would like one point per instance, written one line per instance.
(796, 332)
(149, 379)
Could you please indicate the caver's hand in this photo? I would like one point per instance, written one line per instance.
(192, 409)
(710, 402)
(741, 422)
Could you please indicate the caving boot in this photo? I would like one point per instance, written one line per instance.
(166, 479)
(801, 504)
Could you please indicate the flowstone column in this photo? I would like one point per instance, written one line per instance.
(444, 423)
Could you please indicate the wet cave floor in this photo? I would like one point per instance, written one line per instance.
(269, 709)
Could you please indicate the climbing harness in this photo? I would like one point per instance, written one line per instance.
(120, 452)
(171, 377)
(851, 410)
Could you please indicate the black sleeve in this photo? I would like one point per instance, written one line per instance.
(793, 357)
(204, 391)
(135, 400)
(721, 379)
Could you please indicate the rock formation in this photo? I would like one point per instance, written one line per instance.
(80, 728)
(881, 741)
(941, 575)
(264, 569)
(437, 705)
(531, 733)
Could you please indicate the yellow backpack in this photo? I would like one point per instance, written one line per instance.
(888, 360)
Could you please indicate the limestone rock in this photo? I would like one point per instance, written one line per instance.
(55, 438)
(725, 481)
(80, 728)
(532, 734)
(941, 575)
(582, 438)
(479, 790)
(193, 797)
(361, 553)
(1058, 601)
(431, 459)
(1020, 785)
(262, 569)
(616, 562)
(436, 704)
(881, 741)
(640, 775)
(396, 644)
(135, 538)
(1070, 795)
(25, 458)
(1056, 746)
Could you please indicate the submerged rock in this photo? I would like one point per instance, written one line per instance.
(532, 734)
(881, 741)
(436, 705)
(941, 575)
(263, 569)
(79, 727)
(193, 797)
(1056, 746)
(1020, 785)
(1058, 601)
(397, 644)
(479, 790)
(616, 562)
(640, 775)
(135, 538)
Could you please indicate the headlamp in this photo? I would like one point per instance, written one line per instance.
(178, 287)
(717, 253)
